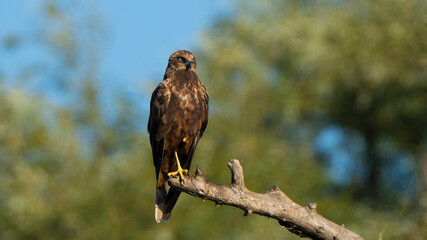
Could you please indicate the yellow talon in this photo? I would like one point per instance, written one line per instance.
(180, 170)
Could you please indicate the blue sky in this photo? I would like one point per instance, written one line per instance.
(140, 35)
(145, 33)
(139, 38)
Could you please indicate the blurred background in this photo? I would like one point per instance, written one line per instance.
(326, 99)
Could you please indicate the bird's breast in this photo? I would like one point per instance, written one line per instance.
(189, 103)
(184, 98)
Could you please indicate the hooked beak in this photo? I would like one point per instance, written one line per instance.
(188, 64)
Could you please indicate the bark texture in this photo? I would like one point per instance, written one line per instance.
(303, 221)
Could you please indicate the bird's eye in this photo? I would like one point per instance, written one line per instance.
(181, 59)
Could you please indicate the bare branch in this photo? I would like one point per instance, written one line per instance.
(303, 221)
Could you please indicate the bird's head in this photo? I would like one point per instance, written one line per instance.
(182, 60)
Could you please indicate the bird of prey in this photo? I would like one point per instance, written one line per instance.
(178, 118)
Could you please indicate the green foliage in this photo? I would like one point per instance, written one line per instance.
(281, 71)
(277, 72)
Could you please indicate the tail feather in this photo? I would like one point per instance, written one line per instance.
(160, 215)
(165, 201)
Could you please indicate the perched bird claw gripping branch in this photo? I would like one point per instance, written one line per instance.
(178, 117)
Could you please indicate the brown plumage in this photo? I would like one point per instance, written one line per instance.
(178, 118)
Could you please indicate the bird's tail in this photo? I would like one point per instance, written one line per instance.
(166, 198)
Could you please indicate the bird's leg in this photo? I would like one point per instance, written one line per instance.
(180, 170)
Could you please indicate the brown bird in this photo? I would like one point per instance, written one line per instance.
(178, 118)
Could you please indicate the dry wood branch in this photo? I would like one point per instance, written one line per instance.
(303, 221)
